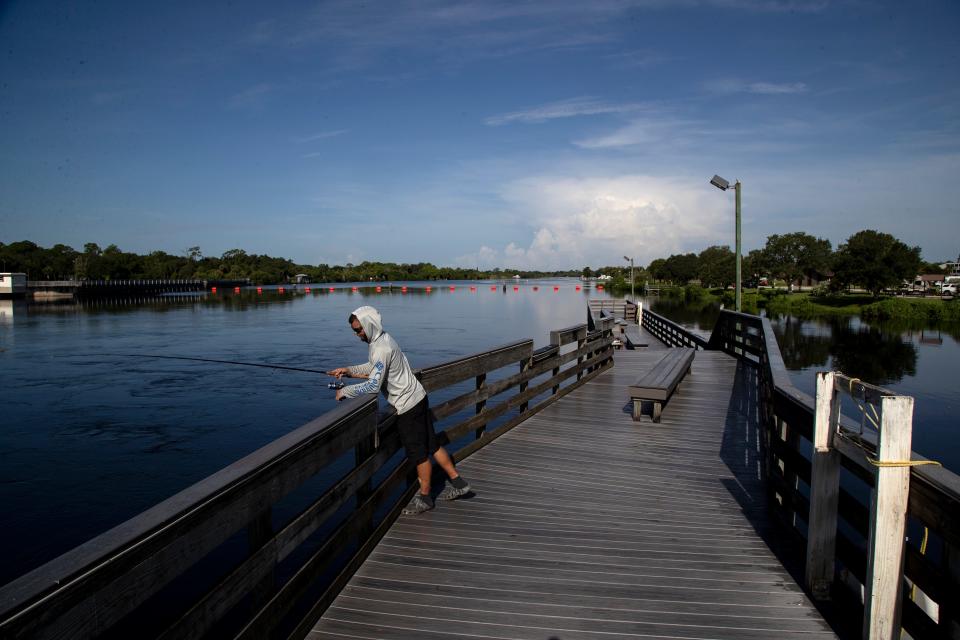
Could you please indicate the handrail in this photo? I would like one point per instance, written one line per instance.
(931, 606)
(280, 538)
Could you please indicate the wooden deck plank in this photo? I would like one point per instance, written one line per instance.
(586, 524)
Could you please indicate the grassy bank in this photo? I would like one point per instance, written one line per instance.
(809, 305)
(903, 309)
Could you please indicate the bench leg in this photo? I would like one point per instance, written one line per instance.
(636, 409)
(656, 411)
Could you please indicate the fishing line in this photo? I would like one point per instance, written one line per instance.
(245, 364)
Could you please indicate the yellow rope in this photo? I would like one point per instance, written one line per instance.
(875, 420)
(902, 463)
(923, 552)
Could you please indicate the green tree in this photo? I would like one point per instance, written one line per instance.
(717, 266)
(793, 255)
(681, 268)
(658, 269)
(875, 261)
(755, 265)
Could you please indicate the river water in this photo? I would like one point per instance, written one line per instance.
(917, 361)
(92, 432)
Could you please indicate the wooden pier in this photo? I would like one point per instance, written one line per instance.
(585, 523)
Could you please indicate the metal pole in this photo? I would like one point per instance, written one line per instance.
(739, 290)
(632, 296)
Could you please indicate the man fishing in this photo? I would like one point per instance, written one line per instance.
(388, 370)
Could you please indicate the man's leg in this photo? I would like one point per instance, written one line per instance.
(446, 463)
(424, 470)
(422, 500)
(458, 486)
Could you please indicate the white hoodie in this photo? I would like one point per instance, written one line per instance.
(387, 364)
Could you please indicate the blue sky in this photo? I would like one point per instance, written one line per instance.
(515, 134)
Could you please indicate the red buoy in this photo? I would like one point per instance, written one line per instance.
(473, 288)
(351, 289)
(452, 287)
(280, 289)
(578, 287)
(379, 289)
(259, 289)
(307, 289)
(403, 289)
(516, 288)
(536, 288)
(493, 288)
(236, 289)
(599, 287)
(331, 288)
(556, 288)
(213, 289)
(429, 289)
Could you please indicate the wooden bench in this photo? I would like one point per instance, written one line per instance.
(658, 384)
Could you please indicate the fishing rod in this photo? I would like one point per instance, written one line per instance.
(245, 364)
(333, 385)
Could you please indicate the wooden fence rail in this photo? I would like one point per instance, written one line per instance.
(930, 601)
(254, 551)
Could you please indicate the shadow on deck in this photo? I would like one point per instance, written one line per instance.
(587, 524)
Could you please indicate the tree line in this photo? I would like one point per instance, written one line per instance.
(869, 259)
(111, 263)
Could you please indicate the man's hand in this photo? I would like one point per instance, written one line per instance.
(339, 373)
(339, 395)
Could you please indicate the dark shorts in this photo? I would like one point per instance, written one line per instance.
(416, 432)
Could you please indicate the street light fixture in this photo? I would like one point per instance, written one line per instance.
(723, 185)
(632, 296)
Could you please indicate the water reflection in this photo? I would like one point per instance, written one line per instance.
(870, 353)
(803, 344)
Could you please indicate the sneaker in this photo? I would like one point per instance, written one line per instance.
(417, 506)
(450, 492)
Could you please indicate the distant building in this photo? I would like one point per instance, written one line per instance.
(951, 270)
(301, 278)
(926, 283)
(13, 285)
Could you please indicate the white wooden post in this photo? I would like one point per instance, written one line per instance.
(824, 491)
(888, 516)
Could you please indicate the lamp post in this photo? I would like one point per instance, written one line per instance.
(632, 296)
(723, 185)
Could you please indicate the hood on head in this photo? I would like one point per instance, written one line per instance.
(369, 319)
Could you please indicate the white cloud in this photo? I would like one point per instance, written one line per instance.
(596, 221)
(253, 97)
(771, 88)
(645, 131)
(733, 85)
(323, 135)
(584, 106)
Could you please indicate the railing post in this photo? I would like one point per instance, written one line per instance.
(824, 490)
(259, 532)
(580, 342)
(524, 366)
(481, 385)
(888, 517)
(365, 448)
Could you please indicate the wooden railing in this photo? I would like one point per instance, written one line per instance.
(930, 603)
(261, 548)
(669, 332)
